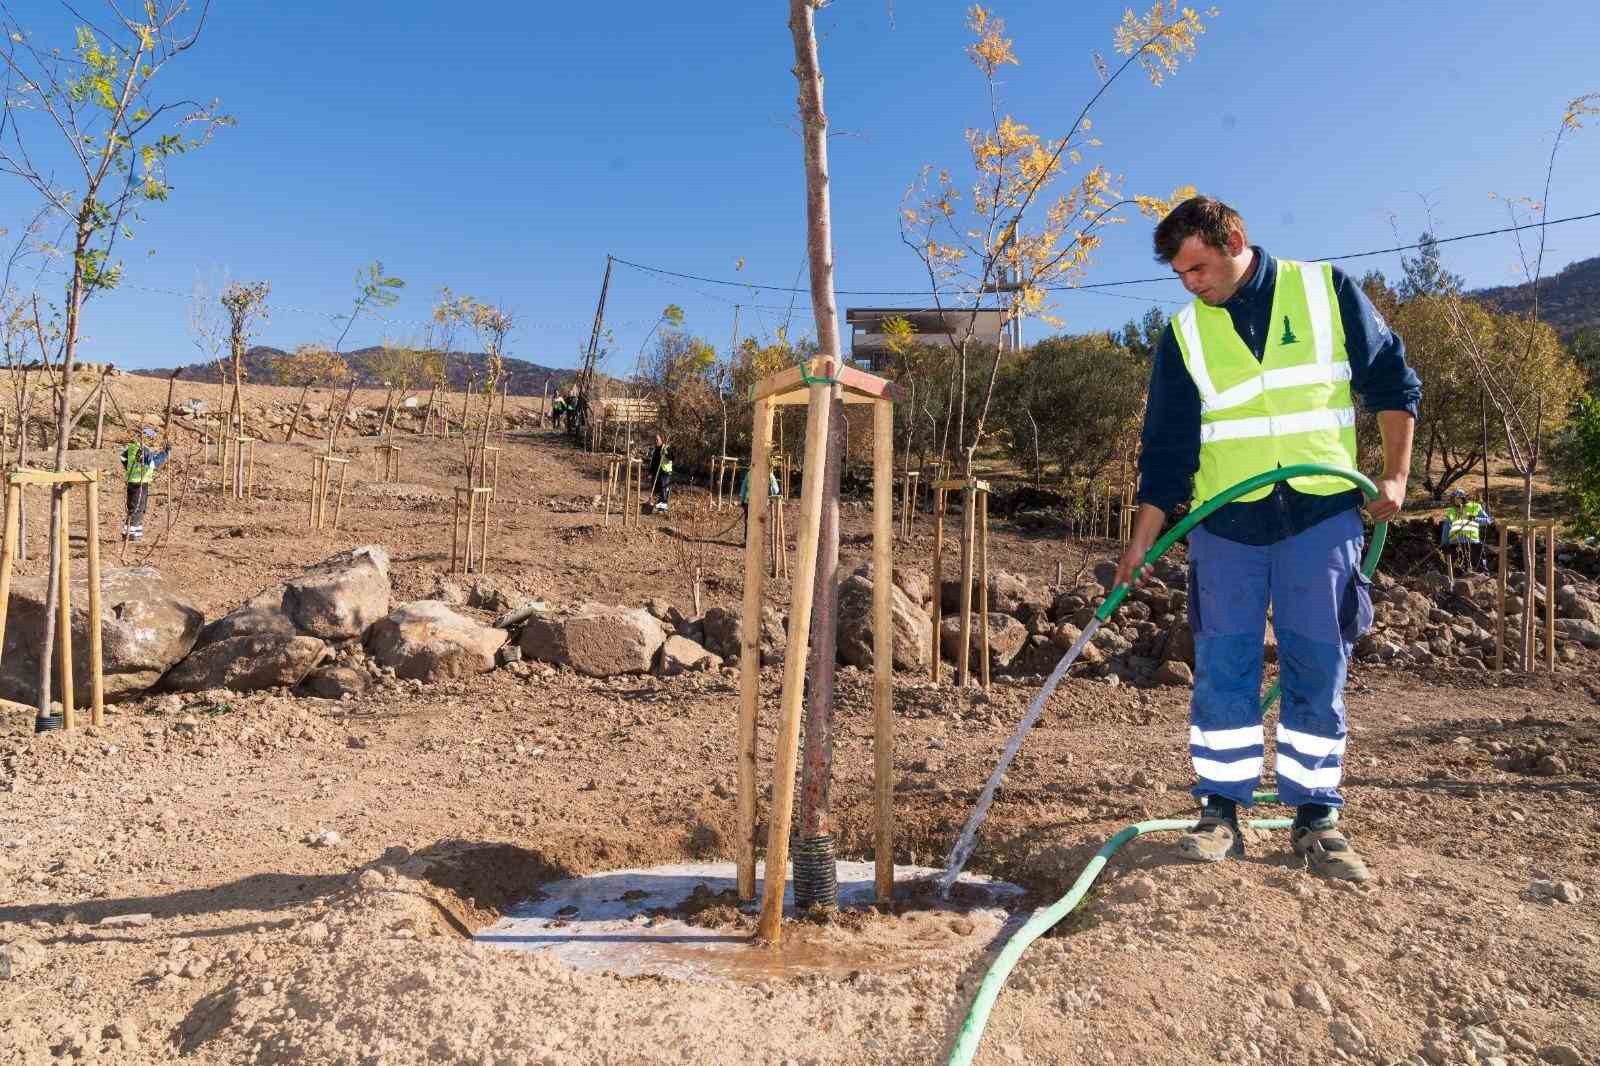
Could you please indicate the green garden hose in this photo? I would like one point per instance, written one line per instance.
(971, 1033)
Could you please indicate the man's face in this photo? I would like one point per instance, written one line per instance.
(1211, 275)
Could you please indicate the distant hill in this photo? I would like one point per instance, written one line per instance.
(526, 379)
(1568, 300)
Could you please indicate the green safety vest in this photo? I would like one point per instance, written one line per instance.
(1291, 406)
(666, 461)
(139, 472)
(1463, 523)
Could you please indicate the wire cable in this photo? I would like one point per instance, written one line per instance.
(1112, 284)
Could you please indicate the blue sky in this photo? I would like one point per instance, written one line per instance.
(504, 149)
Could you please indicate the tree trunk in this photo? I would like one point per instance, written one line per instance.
(69, 351)
(819, 248)
(166, 418)
(816, 772)
(388, 406)
(344, 411)
(294, 420)
(1483, 410)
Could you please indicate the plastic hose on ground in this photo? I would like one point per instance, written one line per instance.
(971, 1033)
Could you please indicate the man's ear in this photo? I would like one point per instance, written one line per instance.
(1236, 242)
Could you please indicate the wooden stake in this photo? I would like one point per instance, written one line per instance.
(69, 713)
(770, 926)
(455, 533)
(100, 415)
(969, 529)
(338, 507)
(97, 694)
(1530, 609)
(483, 539)
(750, 660)
(938, 577)
(1500, 604)
(882, 647)
(982, 497)
(8, 552)
(1550, 598)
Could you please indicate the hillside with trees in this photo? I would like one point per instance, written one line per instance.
(262, 366)
(1568, 300)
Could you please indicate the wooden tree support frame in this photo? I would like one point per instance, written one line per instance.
(477, 518)
(908, 502)
(391, 461)
(783, 466)
(483, 466)
(321, 476)
(16, 481)
(725, 480)
(974, 571)
(626, 476)
(1530, 549)
(238, 474)
(815, 385)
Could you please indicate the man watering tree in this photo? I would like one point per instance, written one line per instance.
(1258, 372)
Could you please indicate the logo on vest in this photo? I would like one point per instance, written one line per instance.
(1288, 333)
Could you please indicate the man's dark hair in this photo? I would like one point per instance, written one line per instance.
(1199, 216)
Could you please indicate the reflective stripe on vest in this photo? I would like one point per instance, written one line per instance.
(1291, 406)
(1464, 522)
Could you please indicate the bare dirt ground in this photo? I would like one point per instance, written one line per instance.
(266, 942)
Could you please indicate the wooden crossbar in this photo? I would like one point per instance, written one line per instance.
(28, 476)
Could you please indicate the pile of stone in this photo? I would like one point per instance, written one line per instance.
(1432, 621)
(327, 632)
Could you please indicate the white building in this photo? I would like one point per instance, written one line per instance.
(869, 345)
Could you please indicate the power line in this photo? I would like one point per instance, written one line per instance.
(1111, 284)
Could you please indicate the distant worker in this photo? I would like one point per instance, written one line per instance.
(1461, 531)
(660, 465)
(558, 409)
(139, 465)
(773, 491)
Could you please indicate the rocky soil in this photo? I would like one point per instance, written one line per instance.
(284, 875)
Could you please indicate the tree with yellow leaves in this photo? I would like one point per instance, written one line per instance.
(1013, 237)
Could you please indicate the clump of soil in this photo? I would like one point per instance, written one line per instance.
(707, 909)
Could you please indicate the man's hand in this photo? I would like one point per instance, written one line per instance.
(1132, 556)
(1146, 527)
(1391, 498)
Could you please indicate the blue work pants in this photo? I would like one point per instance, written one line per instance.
(1320, 605)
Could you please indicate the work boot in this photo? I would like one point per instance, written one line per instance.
(1215, 836)
(1326, 850)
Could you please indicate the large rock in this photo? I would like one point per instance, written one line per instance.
(244, 664)
(1570, 603)
(911, 631)
(335, 600)
(1179, 647)
(679, 655)
(1011, 594)
(145, 628)
(334, 682)
(261, 615)
(1581, 630)
(914, 583)
(1007, 636)
(340, 596)
(427, 641)
(595, 639)
(723, 629)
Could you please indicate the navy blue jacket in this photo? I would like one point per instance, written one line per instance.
(1170, 450)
